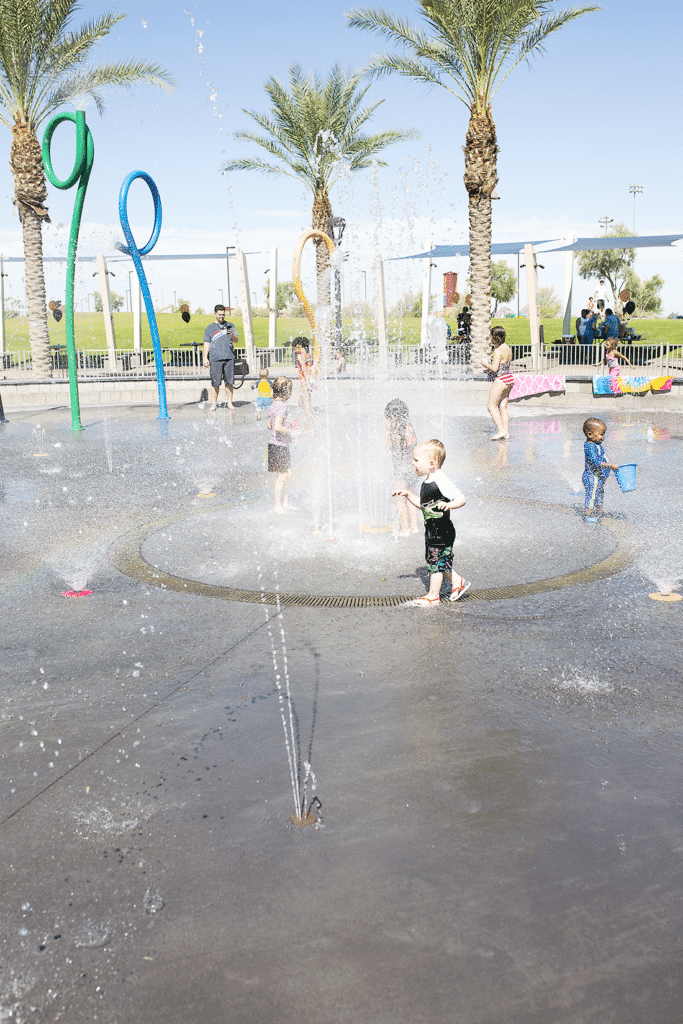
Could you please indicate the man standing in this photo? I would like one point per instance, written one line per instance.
(601, 296)
(219, 354)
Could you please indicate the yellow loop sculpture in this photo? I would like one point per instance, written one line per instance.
(296, 277)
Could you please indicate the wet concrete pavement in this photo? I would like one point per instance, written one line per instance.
(500, 781)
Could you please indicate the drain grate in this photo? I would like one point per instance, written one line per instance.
(125, 556)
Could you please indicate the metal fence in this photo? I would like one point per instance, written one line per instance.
(422, 361)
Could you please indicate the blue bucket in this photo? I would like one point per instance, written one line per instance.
(626, 476)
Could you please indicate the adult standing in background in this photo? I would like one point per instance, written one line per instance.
(219, 354)
(601, 296)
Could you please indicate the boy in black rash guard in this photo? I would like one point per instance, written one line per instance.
(438, 495)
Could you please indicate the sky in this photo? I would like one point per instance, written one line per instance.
(577, 125)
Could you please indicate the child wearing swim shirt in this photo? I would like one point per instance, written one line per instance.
(438, 496)
(596, 469)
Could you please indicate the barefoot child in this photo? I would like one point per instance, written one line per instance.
(281, 435)
(400, 441)
(596, 469)
(438, 495)
(264, 395)
(502, 380)
(613, 357)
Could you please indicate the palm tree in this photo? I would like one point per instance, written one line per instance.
(313, 131)
(44, 65)
(469, 47)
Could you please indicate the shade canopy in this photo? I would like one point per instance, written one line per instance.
(580, 245)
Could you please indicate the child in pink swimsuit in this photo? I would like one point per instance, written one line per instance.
(612, 359)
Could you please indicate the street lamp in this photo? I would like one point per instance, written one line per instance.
(635, 190)
(604, 223)
(365, 284)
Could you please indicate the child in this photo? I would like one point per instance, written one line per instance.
(340, 359)
(498, 372)
(306, 370)
(612, 357)
(264, 396)
(281, 435)
(438, 495)
(400, 441)
(596, 469)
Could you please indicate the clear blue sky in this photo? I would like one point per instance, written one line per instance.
(597, 112)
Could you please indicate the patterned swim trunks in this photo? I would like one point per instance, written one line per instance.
(439, 559)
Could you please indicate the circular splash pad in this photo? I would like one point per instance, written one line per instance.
(665, 597)
(76, 593)
(175, 553)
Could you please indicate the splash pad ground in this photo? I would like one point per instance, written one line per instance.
(499, 779)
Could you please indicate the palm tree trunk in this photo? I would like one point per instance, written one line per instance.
(30, 192)
(480, 179)
(322, 210)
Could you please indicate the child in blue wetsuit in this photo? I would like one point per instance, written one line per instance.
(596, 470)
(438, 495)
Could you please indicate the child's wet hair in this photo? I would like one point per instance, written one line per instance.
(304, 342)
(263, 373)
(591, 423)
(396, 411)
(282, 387)
(498, 334)
(434, 450)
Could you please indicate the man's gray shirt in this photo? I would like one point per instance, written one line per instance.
(221, 340)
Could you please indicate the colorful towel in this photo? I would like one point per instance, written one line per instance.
(535, 384)
(630, 385)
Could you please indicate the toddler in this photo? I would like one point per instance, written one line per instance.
(438, 495)
(401, 440)
(281, 434)
(264, 395)
(596, 469)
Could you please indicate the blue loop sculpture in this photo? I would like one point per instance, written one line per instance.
(132, 250)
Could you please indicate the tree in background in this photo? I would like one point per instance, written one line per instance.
(503, 283)
(314, 133)
(405, 306)
(116, 302)
(43, 66)
(645, 294)
(469, 47)
(285, 294)
(609, 265)
(549, 302)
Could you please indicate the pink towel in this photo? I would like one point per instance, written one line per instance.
(536, 384)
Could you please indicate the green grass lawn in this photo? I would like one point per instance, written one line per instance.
(174, 332)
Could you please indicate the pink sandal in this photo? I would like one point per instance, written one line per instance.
(457, 592)
(426, 601)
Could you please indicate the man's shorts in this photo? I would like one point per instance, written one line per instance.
(279, 459)
(222, 369)
(439, 559)
(600, 303)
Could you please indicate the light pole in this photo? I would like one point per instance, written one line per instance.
(222, 299)
(604, 223)
(635, 190)
(365, 284)
(227, 263)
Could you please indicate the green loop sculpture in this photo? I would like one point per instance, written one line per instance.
(85, 154)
